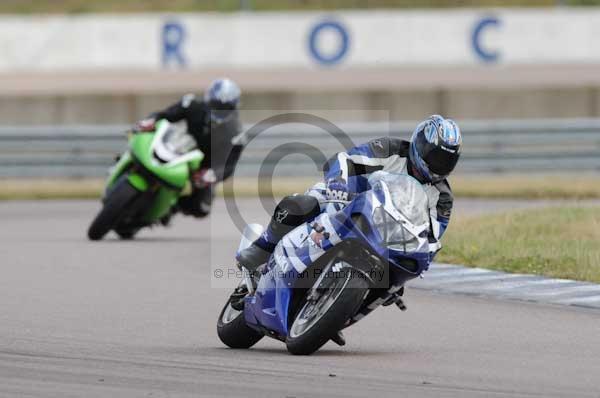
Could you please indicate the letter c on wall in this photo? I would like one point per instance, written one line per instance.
(484, 54)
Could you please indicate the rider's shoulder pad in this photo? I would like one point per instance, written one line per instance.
(187, 100)
(387, 146)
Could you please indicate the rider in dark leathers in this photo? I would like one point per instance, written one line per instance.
(214, 123)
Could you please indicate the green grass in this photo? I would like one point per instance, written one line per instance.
(46, 189)
(506, 186)
(50, 189)
(88, 6)
(484, 187)
(543, 186)
(559, 242)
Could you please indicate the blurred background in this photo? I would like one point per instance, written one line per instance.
(522, 78)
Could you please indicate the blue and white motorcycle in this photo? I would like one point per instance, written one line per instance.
(330, 272)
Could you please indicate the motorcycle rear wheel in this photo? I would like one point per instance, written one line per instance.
(126, 234)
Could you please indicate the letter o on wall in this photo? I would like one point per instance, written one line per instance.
(342, 46)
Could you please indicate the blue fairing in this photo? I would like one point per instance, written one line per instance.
(271, 301)
(296, 253)
(364, 205)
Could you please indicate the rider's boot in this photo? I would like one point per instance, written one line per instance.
(198, 203)
(237, 297)
(289, 213)
(257, 253)
(250, 260)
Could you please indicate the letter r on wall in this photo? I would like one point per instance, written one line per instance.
(173, 37)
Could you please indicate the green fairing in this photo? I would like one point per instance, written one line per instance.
(195, 163)
(176, 176)
(165, 199)
(138, 182)
(118, 169)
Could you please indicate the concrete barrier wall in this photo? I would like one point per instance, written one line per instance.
(373, 39)
(365, 106)
(468, 64)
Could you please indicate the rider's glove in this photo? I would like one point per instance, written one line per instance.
(145, 125)
(337, 189)
(203, 178)
(434, 248)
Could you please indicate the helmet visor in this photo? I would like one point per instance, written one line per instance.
(223, 106)
(220, 116)
(441, 160)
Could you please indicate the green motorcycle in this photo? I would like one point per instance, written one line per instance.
(147, 181)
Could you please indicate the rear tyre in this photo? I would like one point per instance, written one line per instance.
(113, 209)
(233, 330)
(126, 234)
(311, 330)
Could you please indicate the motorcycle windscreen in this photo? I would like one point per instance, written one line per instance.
(173, 143)
(403, 220)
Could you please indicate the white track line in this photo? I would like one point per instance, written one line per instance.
(580, 300)
(474, 279)
(455, 273)
(458, 279)
(567, 290)
(529, 284)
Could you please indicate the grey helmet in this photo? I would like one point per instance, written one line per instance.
(223, 99)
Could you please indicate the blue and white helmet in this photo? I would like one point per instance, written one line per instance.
(435, 148)
(223, 98)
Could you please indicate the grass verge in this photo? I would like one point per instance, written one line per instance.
(116, 6)
(541, 186)
(27, 189)
(559, 242)
(50, 189)
(492, 187)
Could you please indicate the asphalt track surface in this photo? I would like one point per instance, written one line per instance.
(137, 319)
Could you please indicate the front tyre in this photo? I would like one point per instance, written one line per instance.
(233, 330)
(322, 317)
(113, 209)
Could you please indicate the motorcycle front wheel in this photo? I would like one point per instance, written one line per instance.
(115, 205)
(326, 309)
